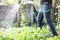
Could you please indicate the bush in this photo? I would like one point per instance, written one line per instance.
(26, 33)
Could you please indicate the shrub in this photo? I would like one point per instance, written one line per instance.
(26, 33)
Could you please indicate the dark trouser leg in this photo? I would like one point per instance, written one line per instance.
(49, 22)
(39, 20)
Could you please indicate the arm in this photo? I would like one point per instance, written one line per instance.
(55, 3)
(54, 7)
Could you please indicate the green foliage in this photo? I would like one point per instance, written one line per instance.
(26, 33)
(58, 1)
(24, 19)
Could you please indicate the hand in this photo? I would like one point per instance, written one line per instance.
(29, 2)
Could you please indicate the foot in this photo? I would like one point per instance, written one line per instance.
(55, 34)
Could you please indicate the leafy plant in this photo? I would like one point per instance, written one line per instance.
(26, 33)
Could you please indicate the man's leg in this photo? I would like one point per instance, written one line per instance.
(39, 20)
(49, 22)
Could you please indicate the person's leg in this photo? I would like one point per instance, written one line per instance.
(39, 20)
(49, 22)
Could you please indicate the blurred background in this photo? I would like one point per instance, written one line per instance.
(23, 12)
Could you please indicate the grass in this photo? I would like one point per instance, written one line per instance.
(28, 33)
